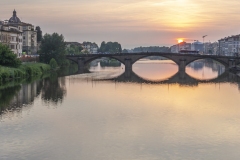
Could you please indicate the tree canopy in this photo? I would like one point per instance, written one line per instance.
(7, 57)
(39, 34)
(53, 46)
(151, 49)
(74, 49)
(110, 47)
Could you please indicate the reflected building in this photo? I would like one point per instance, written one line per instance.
(25, 95)
(14, 98)
(208, 63)
(197, 65)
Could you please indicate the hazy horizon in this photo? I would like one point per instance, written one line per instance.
(132, 23)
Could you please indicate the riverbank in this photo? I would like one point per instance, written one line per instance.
(23, 72)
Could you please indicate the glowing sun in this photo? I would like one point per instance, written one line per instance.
(180, 40)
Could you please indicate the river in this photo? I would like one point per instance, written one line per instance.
(151, 113)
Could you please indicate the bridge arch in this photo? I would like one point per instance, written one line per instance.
(165, 56)
(102, 56)
(215, 59)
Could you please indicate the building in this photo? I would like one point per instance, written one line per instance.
(197, 46)
(12, 37)
(230, 46)
(211, 48)
(180, 46)
(92, 48)
(29, 34)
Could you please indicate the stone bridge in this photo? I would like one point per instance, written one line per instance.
(128, 59)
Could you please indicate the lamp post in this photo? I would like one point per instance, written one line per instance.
(203, 43)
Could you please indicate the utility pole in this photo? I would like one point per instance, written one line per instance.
(203, 43)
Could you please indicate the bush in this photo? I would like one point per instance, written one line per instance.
(24, 71)
(53, 63)
(7, 57)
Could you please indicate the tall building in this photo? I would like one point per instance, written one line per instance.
(211, 48)
(29, 34)
(197, 46)
(12, 37)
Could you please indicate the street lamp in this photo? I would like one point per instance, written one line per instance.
(203, 43)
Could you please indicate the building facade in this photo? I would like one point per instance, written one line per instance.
(197, 46)
(92, 48)
(12, 37)
(230, 46)
(180, 46)
(29, 34)
(211, 48)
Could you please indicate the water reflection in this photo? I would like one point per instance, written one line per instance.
(205, 69)
(133, 120)
(155, 70)
(107, 71)
(52, 90)
(15, 98)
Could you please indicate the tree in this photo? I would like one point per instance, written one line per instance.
(125, 51)
(74, 49)
(53, 46)
(102, 47)
(152, 49)
(39, 34)
(53, 63)
(110, 47)
(7, 57)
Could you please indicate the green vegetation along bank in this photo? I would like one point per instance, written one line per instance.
(23, 71)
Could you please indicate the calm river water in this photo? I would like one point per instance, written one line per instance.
(152, 113)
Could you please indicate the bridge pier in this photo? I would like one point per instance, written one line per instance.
(128, 64)
(182, 65)
(128, 73)
(231, 63)
(81, 65)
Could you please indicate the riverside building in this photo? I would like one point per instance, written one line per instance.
(29, 34)
(230, 46)
(12, 37)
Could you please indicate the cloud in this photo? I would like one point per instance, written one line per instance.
(80, 20)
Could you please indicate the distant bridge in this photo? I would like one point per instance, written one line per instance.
(128, 59)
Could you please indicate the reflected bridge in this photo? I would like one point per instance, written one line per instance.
(180, 77)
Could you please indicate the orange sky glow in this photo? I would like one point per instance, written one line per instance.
(131, 22)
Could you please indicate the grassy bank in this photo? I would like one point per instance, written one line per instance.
(24, 71)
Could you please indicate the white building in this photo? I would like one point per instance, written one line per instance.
(90, 47)
(230, 46)
(12, 37)
(211, 48)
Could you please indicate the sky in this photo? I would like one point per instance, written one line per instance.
(132, 23)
